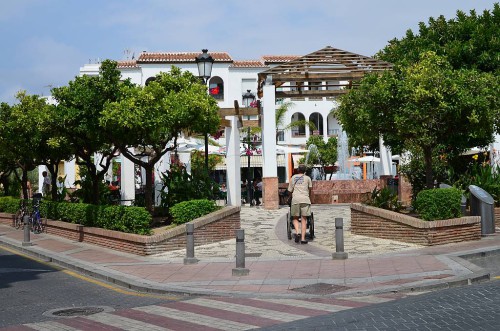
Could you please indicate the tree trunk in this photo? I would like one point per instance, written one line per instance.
(53, 169)
(148, 190)
(24, 183)
(429, 175)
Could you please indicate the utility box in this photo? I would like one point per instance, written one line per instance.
(482, 204)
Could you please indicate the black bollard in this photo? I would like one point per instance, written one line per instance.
(339, 240)
(240, 269)
(26, 240)
(190, 259)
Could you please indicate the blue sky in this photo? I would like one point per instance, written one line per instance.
(45, 42)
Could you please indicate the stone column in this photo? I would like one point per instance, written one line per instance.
(270, 167)
(385, 158)
(127, 187)
(495, 152)
(233, 180)
(160, 167)
(70, 172)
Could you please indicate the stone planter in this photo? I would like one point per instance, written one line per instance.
(381, 223)
(214, 227)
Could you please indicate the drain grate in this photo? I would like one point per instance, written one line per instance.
(77, 311)
(321, 289)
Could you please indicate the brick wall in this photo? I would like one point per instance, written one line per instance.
(214, 227)
(380, 223)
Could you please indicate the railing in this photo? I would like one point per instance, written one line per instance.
(333, 132)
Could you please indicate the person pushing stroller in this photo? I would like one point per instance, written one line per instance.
(300, 187)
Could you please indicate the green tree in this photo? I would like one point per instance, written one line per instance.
(468, 41)
(20, 135)
(423, 106)
(77, 120)
(146, 121)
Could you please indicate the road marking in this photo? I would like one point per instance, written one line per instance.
(307, 304)
(124, 323)
(213, 322)
(496, 277)
(237, 308)
(50, 326)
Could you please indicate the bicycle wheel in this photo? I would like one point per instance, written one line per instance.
(37, 225)
(18, 219)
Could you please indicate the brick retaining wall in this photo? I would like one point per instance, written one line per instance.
(214, 227)
(381, 223)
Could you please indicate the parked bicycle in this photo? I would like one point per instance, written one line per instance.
(35, 219)
(19, 217)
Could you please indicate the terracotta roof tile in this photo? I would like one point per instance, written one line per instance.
(127, 64)
(147, 57)
(248, 64)
(268, 59)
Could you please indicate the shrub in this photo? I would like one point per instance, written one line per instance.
(189, 210)
(9, 204)
(384, 198)
(121, 218)
(439, 204)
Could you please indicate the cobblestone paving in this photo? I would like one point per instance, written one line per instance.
(262, 239)
(465, 308)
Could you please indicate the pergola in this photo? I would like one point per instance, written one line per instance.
(328, 72)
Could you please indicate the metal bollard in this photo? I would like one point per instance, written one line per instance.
(240, 269)
(190, 259)
(339, 240)
(26, 240)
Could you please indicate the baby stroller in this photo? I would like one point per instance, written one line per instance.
(310, 225)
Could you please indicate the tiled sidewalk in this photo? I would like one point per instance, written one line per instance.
(282, 268)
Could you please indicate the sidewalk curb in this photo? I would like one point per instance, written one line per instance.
(139, 285)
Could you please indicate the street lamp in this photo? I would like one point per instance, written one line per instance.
(205, 62)
(248, 98)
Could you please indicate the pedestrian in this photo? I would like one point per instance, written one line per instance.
(257, 187)
(46, 184)
(300, 187)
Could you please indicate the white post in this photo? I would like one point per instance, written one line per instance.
(233, 166)
(127, 181)
(70, 172)
(495, 153)
(160, 168)
(270, 166)
(385, 158)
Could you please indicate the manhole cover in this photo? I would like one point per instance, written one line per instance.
(77, 311)
(321, 288)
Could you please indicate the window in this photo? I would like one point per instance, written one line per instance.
(299, 129)
(216, 88)
(317, 120)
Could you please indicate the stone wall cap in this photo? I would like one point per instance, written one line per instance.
(413, 221)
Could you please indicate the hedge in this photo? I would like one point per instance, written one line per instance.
(186, 211)
(121, 218)
(439, 203)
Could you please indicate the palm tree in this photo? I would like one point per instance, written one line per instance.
(280, 119)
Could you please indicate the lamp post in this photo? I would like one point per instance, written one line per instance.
(205, 62)
(247, 101)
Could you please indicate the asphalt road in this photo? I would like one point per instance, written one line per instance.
(29, 288)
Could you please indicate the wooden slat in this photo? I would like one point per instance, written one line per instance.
(241, 111)
(310, 94)
(251, 123)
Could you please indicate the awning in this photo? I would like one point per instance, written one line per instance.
(256, 161)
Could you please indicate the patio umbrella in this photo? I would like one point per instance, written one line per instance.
(366, 159)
